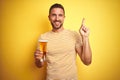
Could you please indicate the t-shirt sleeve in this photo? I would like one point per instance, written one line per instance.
(78, 40)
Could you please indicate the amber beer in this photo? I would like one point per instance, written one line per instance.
(43, 47)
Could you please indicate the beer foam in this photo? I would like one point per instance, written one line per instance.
(43, 40)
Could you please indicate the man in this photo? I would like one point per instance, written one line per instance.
(62, 47)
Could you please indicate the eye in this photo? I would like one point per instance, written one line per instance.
(60, 15)
(53, 15)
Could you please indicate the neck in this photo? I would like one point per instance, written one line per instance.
(58, 30)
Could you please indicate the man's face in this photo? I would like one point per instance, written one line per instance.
(56, 18)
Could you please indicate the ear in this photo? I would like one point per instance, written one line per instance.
(49, 17)
(64, 16)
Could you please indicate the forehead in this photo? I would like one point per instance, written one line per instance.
(57, 10)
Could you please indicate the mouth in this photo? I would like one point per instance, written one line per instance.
(57, 22)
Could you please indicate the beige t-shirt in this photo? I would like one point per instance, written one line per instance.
(61, 57)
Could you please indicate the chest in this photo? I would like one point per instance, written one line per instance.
(60, 44)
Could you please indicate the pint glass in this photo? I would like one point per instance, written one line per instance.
(43, 47)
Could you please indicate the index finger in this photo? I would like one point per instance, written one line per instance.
(83, 22)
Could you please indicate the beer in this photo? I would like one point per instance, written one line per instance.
(43, 47)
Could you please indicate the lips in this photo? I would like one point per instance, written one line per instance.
(57, 23)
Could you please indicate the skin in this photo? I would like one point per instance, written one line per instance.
(56, 18)
(84, 51)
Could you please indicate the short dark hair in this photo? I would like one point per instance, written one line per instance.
(56, 5)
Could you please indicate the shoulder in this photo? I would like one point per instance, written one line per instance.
(75, 33)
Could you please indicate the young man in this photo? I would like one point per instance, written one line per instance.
(63, 46)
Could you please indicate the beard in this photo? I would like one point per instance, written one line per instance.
(54, 26)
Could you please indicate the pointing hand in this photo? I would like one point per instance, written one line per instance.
(84, 31)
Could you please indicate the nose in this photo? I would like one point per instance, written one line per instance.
(57, 17)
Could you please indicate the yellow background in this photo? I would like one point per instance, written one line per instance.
(22, 21)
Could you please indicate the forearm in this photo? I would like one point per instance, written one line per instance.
(86, 52)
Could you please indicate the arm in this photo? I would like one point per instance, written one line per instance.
(84, 51)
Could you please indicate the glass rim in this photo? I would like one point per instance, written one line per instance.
(43, 40)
